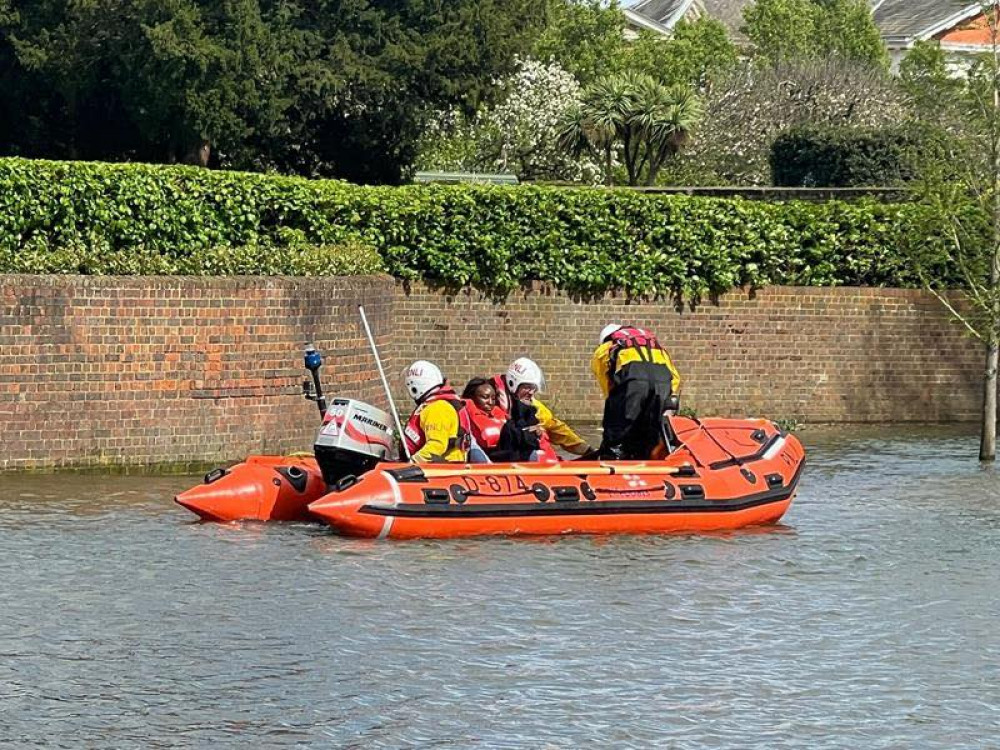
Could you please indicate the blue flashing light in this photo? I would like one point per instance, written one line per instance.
(313, 359)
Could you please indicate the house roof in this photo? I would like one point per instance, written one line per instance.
(664, 12)
(901, 22)
(910, 20)
(668, 12)
(642, 22)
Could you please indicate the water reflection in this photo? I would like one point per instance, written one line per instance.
(866, 620)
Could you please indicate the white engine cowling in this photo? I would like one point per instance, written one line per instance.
(354, 437)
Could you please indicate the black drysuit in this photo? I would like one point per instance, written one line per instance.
(633, 411)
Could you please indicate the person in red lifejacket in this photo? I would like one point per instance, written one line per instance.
(439, 428)
(637, 378)
(487, 418)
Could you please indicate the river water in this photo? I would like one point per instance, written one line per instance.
(867, 620)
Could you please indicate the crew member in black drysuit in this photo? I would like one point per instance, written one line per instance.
(638, 379)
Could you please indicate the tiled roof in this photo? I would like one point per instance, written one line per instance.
(911, 19)
(664, 12)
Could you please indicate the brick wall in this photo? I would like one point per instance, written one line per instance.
(814, 354)
(142, 370)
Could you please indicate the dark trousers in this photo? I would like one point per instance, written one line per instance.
(633, 411)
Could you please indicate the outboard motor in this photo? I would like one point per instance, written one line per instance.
(354, 437)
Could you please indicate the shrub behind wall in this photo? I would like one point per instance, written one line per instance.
(121, 219)
(827, 156)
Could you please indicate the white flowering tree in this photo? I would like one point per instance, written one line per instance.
(518, 135)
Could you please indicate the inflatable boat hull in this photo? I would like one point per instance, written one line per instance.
(703, 487)
(722, 475)
(262, 488)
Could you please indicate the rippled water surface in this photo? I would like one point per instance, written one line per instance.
(868, 620)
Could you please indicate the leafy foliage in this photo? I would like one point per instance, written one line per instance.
(587, 38)
(784, 30)
(97, 218)
(932, 92)
(697, 54)
(334, 87)
(583, 36)
(832, 156)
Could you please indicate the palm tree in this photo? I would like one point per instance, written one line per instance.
(597, 124)
(663, 118)
(647, 120)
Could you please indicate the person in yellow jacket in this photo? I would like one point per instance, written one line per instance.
(521, 383)
(637, 378)
(439, 428)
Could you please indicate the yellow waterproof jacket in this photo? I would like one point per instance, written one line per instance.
(439, 422)
(600, 365)
(559, 432)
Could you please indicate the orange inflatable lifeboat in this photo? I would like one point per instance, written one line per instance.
(262, 488)
(722, 474)
(353, 438)
(719, 474)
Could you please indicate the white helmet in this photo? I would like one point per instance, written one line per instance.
(421, 378)
(521, 371)
(608, 330)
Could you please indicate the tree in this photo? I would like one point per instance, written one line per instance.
(931, 91)
(582, 36)
(403, 61)
(518, 134)
(784, 30)
(752, 105)
(850, 32)
(697, 54)
(587, 38)
(141, 80)
(957, 248)
(324, 87)
(781, 29)
(647, 121)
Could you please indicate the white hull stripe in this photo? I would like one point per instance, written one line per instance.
(775, 449)
(397, 499)
(386, 527)
(397, 496)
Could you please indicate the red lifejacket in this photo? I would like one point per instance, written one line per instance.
(548, 453)
(414, 435)
(503, 398)
(639, 339)
(486, 426)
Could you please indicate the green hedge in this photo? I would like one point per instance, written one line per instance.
(826, 156)
(103, 218)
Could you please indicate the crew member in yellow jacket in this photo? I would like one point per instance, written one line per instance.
(637, 379)
(439, 428)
